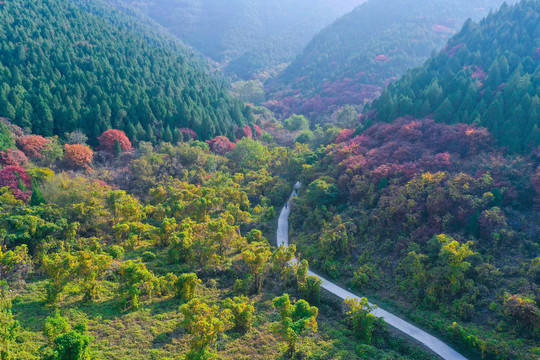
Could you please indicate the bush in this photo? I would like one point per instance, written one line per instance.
(305, 137)
(296, 122)
(148, 256)
(116, 251)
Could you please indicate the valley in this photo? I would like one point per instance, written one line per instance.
(148, 150)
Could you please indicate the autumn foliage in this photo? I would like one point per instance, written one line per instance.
(188, 134)
(408, 147)
(12, 156)
(221, 145)
(17, 180)
(33, 145)
(258, 131)
(78, 156)
(244, 131)
(107, 141)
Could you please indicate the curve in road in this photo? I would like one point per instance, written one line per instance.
(431, 342)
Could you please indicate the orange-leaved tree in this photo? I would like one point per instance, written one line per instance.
(113, 141)
(78, 156)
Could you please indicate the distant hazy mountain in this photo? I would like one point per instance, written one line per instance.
(83, 64)
(252, 34)
(488, 74)
(350, 61)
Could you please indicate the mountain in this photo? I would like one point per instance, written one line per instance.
(252, 34)
(488, 75)
(78, 64)
(350, 61)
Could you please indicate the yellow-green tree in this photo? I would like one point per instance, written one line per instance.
(186, 285)
(123, 207)
(136, 281)
(448, 277)
(9, 327)
(256, 256)
(242, 312)
(205, 323)
(66, 342)
(90, 269)
(413, 274)
(55, 326)
(280, 261)
(166, 232)
(60, 268)
(295, 319)
(360, 316)
(14, 264)
(223, 234)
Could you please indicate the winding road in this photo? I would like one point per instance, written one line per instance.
(431, 342)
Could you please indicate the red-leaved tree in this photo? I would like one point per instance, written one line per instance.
(78, 156)
(258, 131)
(221, 145)
(33, 145)
(107, 141)
(16, 178)
(12, 156)
(244, 131)
(344, 135)
(188, 134)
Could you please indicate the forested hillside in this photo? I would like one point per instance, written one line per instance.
(488, 75)
(253, 35)
(433, 220)
(351, 61)
(67, 65)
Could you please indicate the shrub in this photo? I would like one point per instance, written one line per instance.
(296, 122)
(116, 251)
(148, 256)
(242, 312)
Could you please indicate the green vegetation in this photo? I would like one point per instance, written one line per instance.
(69, 65)
(487, 75)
